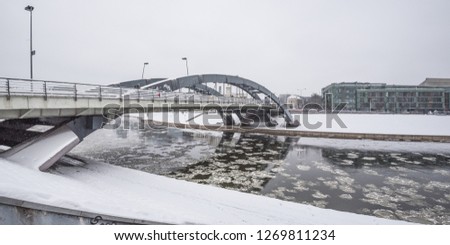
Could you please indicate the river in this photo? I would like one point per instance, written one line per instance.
(404, 185)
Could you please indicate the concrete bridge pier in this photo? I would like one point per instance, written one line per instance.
(227, 117)
(256, 117)
(46, 140)
(244, 120)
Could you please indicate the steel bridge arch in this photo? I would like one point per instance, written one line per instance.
(197, 81)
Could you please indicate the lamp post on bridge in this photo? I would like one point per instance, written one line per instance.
(187, 69)
(143, 69)
(32, 52)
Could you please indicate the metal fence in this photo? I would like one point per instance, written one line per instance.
(10, 87)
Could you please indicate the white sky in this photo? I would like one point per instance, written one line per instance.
(288, 46)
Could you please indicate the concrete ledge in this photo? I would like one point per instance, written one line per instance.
(72, 212)
(313, 134)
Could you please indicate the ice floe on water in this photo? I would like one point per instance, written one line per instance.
(300, 185)
(370, 171)
(442, 172)
(432, 185)
(323, 167)
(384, 213)
(320, 203)
(346, 162)
(401, 181)
(332, 184)
(432, 159)
(381, 199)
(345, 180)
(347, 189)
(303, 167)
(369, 158)
(352, 155)
(340, 172)
(319, 195)
(447, 196)
(423, 216)
(346, 196)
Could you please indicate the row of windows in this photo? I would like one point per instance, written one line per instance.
(402, 105)
(402, 94)
(403, 99)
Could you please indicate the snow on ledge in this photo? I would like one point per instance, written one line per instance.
(111, 190)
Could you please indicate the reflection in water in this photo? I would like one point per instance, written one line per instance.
(407, 186)
(246, 163)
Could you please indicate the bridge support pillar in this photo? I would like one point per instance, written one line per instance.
(41, 151)
(44, 151)
(255, 118)
(248, 122)
(227, 118)
(293, 124)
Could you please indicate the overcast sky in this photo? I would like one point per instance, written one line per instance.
(288, 46)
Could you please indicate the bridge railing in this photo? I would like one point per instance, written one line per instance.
(40, 88)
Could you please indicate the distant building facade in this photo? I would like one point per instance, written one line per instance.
(294, 102)
(430, 96)
(436, 82)
(283, 98)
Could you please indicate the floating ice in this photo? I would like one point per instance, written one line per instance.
(432, 159)
(401, 181)
(447, 196)
(383, 213)
(346, 162)
(438, 185)
(442, 172)
(345, 180)
(303, 167)
(279, 192)
(424, 216)
(371, 172)
(381, 199)
(340, 172)
(319, 195)
(369, 158)
(347, 189)
(346, 196)
(352, 155)
(325, 168)
(301, 186)
(320, 203)
(332, 184)
(402, 159)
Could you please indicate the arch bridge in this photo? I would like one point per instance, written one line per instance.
(197, 83)
(39, 113)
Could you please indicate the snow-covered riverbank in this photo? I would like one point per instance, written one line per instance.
(106, 189)
(352, 123)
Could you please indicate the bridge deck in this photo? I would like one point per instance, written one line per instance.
(21, 98)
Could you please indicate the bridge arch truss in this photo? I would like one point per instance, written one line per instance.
(197, 82)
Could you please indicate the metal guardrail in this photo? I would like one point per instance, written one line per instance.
(40, 88)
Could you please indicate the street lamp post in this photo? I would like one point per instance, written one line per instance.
(32, 52)
(187, 69)
(143, 69)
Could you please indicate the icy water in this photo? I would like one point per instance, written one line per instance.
(409, 186)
